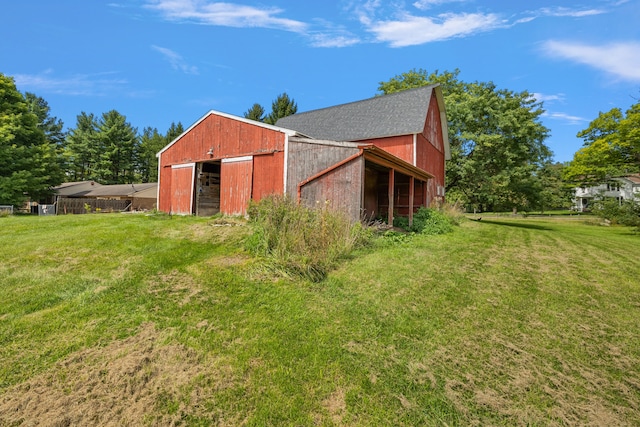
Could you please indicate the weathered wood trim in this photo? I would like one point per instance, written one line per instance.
(325, 171)
(391, 192)
(236, 159)
(412, 183)
(183, 165)
(286, 164)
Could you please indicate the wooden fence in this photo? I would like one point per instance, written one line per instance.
(67, 205)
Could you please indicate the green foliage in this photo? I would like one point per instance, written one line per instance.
(282, 106)
(151, 142)
(256, 112)
(496, 140)
(302, 241)
(82, 148)
(117, 140)
(174, 131)
(431, 221)
(626, 212)
(611, 148)
(29, 161)
(110, 151)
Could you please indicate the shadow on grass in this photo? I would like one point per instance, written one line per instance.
(518, 225)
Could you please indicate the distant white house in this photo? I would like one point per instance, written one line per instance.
(621, 188)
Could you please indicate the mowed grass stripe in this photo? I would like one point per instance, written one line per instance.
(503, 322)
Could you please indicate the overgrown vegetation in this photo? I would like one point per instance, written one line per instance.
(300, 241)
(625, 212)
(432, 221)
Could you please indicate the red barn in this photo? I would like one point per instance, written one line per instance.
(375, 158)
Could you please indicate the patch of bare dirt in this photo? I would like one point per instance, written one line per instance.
(176, 285)
(135, 381)
(525, 390)
(336, 406)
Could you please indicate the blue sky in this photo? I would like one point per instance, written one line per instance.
(163, 61)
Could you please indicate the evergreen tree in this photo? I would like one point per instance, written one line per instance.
(118, 141)
(151, 142)
(29, 163)
(173, 132)
(82, 148)
(283, 106)
(256, 112)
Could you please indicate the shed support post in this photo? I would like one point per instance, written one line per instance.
(391, 192)
(425, 201)
(412, 183)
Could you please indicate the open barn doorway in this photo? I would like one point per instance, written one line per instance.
(207, 188)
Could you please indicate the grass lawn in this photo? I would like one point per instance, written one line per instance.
(149, 320)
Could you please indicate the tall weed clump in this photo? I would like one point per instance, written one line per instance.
(438, 220)
(297, 240)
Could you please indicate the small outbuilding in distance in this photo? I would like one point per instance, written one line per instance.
(374, 158)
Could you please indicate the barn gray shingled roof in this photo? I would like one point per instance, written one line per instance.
(399, 113)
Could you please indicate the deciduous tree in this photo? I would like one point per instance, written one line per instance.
(496, 139)
(611, 148)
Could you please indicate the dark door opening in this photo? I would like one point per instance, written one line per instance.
(208, 189)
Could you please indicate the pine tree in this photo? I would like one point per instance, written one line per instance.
(283, 106)
(29, 163)
(256, 112)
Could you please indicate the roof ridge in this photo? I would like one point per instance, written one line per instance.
(403, 92)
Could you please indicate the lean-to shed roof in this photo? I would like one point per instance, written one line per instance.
(121, 190)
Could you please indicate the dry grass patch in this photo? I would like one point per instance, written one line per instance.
(135, 381)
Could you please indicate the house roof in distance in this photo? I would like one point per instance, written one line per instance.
(634, 178)
(399, 113)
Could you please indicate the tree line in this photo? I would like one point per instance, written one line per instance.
(36, 153)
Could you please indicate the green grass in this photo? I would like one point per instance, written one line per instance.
(155, 320)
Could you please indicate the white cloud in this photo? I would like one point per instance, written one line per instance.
(176, 60)
(621, 60)
(415, 30)
(427, 4)
(225, 14)
(77, 85)
(565, 11)
(334, 40)
(569, 119)
(540, 97)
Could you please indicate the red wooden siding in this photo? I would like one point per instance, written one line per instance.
(227, 138)
(433, 125)
(400, 146)
(236, 177)
(268, 175)
(430, 154)
(181, 198)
